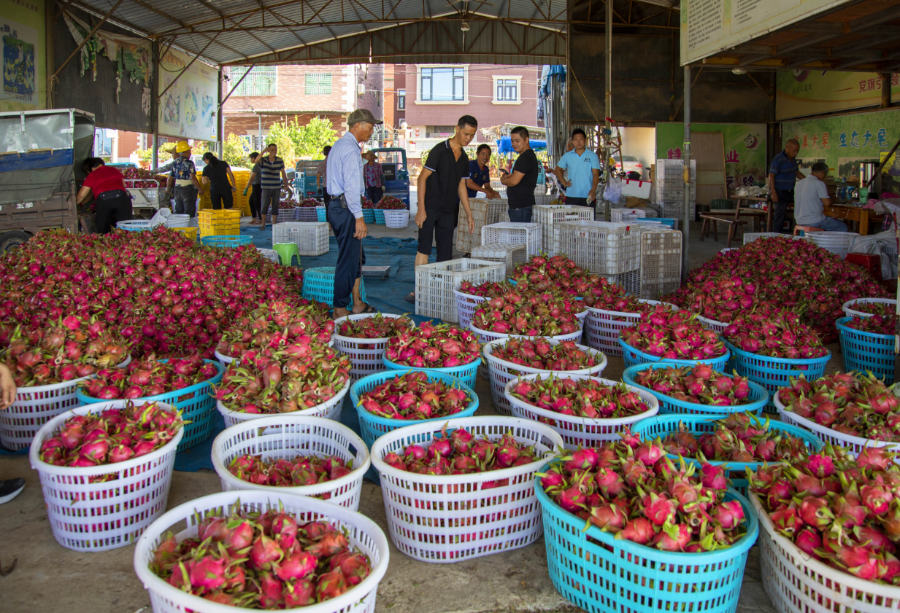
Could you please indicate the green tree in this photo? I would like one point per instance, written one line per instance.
(315, 135)
(284, 136)
(235, 151)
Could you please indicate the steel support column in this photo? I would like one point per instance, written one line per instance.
(686, 157)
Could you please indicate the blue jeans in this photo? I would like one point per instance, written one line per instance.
(829, 224)
(522, 215)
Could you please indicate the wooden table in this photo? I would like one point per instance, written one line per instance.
(743, 208)
(853, 213)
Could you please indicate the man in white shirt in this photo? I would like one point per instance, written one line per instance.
(810, 200)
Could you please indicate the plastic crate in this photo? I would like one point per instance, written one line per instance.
(669, 222)
(330, 409)
(365, 353)
(372, 426)
(311, 238)
(435, 284)
(276, 437)
(634, 356)
(851, 311)
(219, 222)
(629, 281)
(510, 255)
(838, 243)
(465, 373)
(369, 216)
(178, 220)
(484, 212)
(618, 214)
(188, 232)
(550, 216)
(502, 371)
(450, 518)
(660, 262)
(318, 284)
(513, 233)
(361, 532)
(867, 351)
(379, 217)
(601, 247)
(775, 373)
(602, 327)
(394, 218)
(758, 397)
(601, 573)
(226, 242)
(303, 213)
(269, 254)
(321, 215)
(465, 307)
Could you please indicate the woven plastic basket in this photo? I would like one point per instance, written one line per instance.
(90, 514)
(396, 218)
(602, 574)
(318, 284)
(775, 373)
(712, 324)
(465, 373)
(277, 437)
(795, 581)
(226, 241)
(196, 403)
(372, 426)
(135, 225)
(502, 371)
(369, 216)
(851, 311)
(602, 327)
(867, 351)
(35, 406)
(579, 431)
(465, 307)
(178, 220)
(854, 444)
(379, 217)
(361, 531)
(449, 518)
(838, 243)
(758, 397)
(486, 336)
(365, 353)
(330, 409)
(634, 356)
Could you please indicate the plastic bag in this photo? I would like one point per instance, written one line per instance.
(613, 191)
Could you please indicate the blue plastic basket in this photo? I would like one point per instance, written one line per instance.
(196, 403)
(372, 426)
(318, 284)
(758, 396)
(775, 373)
(465, 373)
(669, 221)
(634, 357)
(379, 216)
(369, 215)
(867, 351)
(320, 214)
(663, 425)
(600, 573)
(135, 225)
(225, 240)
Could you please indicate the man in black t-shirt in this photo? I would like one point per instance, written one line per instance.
(521, 181)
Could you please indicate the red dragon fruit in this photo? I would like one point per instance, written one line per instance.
(699, 384)
(581, 397)
(673, 335)
(545, 354)
(148, 377)
(433, 346)
(412, 396)
(374, 326)
(527, 313)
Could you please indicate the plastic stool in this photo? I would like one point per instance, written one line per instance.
(803, 230)
(286, 253)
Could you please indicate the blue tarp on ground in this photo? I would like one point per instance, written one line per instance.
(504, 145)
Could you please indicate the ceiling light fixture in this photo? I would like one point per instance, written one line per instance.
(464, 26)
(739, 70)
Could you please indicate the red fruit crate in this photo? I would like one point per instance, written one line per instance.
(869, 261)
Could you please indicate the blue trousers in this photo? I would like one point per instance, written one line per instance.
(522, 215)
(351, 256)
(830, 224)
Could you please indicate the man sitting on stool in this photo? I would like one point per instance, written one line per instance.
(810, 200)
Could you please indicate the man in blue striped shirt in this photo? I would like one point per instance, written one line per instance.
(783, 173)
(271, 178)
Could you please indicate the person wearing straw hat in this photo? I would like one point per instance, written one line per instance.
(9, 488)
(183, 177)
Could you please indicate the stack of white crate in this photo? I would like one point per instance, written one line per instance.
(660, 262)
(435, 284)
(669, 188)
(484, 212)
(510, 255)
(514, 233)
(550, 216)
(627, 214)
(311, 237)
(612, 250)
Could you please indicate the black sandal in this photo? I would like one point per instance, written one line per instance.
(369, 309)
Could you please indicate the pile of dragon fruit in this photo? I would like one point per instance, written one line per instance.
(433, 346)
(774, 332)
(632, 490)
(488, 289)
(529, 314)
(698, 384)
(283, 379)
(261, 561)
(461, 453)
(885, 309)
(148, 376)
(673, 335)
(841, 510)
(581, 397)
(876, 324)
(541, 354)
(391, 203)
(555, 273)
(68, 348)
(308, 203)
(301, 470)
(858, 404)
(740, 437)
(412, 396)
(111, 435)
(276, 323)
(794, 274)
(375, 326)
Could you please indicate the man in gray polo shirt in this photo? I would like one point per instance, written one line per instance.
(810, 200)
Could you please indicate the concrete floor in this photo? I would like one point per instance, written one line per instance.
(48, 577)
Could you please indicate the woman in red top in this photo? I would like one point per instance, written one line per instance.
(107, 186)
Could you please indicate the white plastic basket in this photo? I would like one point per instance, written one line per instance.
(602, 247)
(486, 336)
(849, 311)
(330, 409)
(838, 243)
(660, 262)
(177, 220)
(435, 284)
(224, 359)
(580, 431)
(619, 214)
(365, 353)
(551, 215)
(513, 233)
(795, 581)
(97, 516)
(35, 406)
(602, 327)
(311, 237)
(450, 518)
(510, 255)
(484, 211)
(502, 371)
(183, 520)
(277, 437)
(465, 306)
(749, 237)
(854, 444)
(394, 218)
(712, 324)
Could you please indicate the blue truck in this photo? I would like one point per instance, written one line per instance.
(396, 172)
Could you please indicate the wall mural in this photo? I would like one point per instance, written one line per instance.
(22, 36)
(188, 109)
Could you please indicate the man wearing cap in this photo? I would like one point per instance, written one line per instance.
(184, 176)
(346, 189)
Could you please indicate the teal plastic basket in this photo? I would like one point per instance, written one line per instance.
(602, 574)
(867, 351)
(135, 225)
(320, 214)
(379, 216)
(196, 403)
(775, 373)
(465, 373)
(318, 284)
(664, 425)
(758, 396)
(372, 426)
(227, 241)
(633, 357)
(369, 215)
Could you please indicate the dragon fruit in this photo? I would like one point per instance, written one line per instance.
(673, 335)
(776, 333)
(375, 326)
(876, 324)
(148, 377)
(301, 470)
(429, 345)
(276, 324)
(545, 354)
(581, 397)
(412, 396)
(699, 384)
(529, 314)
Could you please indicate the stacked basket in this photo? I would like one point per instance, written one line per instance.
(366, 354)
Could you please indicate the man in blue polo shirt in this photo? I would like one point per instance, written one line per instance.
(783, 173)
(583, 167)
(480, 174)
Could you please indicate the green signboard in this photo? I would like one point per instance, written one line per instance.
(803, 93)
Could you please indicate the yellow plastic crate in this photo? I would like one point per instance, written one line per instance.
(216, 222)
(189, 233)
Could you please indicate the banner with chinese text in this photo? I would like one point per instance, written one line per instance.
(802, 93)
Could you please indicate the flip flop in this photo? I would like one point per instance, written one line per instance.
(369, 309)
(411, 297)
